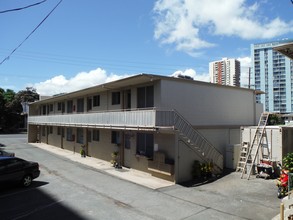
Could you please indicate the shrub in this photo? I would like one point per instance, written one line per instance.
(288, 162)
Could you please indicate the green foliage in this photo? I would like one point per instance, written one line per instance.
(201, 170)
(11, 108)
(28, 95)
(82, 151)
(288, 162)
(275, 119)
(114, 156)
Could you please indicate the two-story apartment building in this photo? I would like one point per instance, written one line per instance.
(158, 124)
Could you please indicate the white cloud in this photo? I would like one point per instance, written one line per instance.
(182, 23)
(59, 84)
(192, 73)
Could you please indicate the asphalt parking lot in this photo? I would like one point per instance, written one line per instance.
(233, 197)
(228, 197)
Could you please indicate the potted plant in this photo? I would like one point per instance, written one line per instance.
(114, 160)
(82, 151)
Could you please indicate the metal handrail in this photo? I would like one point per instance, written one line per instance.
(207, 150)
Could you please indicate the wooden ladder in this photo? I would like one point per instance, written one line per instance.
(242, 158)
(257, 142)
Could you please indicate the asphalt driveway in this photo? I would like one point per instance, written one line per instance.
(228, 197)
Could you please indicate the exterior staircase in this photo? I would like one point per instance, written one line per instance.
(198, 143)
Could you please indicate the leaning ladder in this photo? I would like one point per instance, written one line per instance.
(256, 144)
(242, 157)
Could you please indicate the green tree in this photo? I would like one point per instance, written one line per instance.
(11, 112)
(11, 107)
(275, 119)
(2, 107)
(27, 95)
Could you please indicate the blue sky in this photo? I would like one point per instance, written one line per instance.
(89, 42)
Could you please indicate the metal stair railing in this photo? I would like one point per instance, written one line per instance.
(198, 143)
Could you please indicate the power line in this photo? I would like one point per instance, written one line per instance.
(104, 62)
(7, 58)
(25, 7)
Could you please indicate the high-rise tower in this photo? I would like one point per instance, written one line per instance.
(225, 72)
(272, 73)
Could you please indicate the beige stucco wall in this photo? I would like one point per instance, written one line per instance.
(54, 138)
(166, 144)
(220, 138)
(205, 105)
(186, 158)
(103, 148)
(32, 133)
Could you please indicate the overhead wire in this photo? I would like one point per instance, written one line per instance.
(7, 58)
(117, 64)
(25, 7)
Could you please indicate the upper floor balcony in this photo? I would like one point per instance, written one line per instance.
(150, 119)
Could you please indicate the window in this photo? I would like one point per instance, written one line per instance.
(80, 105)
(51, 107)
(69, 106)
(145, 97)
(44, 110)
(96, 135)
(115, 98)
(89, 104)
(63, 107)
(59, 106)
(141, 97)
(149, 96)
(51, 130)
(69, 135)
(145, 144)
(96, 100)
(115, 137)
(79, 135)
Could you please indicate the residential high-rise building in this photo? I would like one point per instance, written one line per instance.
(272, 73)
(225, 72)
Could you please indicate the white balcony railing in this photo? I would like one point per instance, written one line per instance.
(138, 118)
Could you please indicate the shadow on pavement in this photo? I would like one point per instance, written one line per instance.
(32, 203)
(203, 181)
(7, 187)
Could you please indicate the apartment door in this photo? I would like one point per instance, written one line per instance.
(127, 150)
